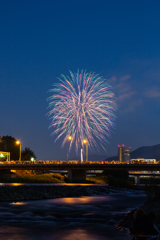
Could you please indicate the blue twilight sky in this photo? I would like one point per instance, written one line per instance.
(41, 39)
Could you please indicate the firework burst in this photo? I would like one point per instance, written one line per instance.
(82, 106)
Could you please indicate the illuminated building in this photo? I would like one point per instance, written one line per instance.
(123, 153)
(3, 154)
(143, 160)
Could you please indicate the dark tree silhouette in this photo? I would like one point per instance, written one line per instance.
(8, 144)
(27, 154)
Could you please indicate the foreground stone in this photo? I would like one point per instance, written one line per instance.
(127, 221)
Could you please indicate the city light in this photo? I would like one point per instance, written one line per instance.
(68, 139)
(86, 142)
(19, 143)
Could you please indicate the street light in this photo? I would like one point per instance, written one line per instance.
(19, 143)
(68, 139)
(86, 142)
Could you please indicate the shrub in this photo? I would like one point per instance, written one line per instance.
(97, 179)
(41, 178)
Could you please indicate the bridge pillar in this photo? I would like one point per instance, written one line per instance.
(137, 179)
(76, 176)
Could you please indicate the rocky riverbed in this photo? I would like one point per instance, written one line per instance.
(39, 192)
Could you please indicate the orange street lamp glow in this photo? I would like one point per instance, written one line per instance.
(19, 143)
(86, 142)
(68, 139)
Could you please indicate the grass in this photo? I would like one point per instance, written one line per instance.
(32, 177)
(35, 178)
(97, 179)
(46, 178)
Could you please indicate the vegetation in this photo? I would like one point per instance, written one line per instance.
(32, 178)
(8, 144)
(117, 180)
(114, 178)
(27, 154)
(97, 180)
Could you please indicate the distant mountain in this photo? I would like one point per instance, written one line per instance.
(147, 152)
(143, 152)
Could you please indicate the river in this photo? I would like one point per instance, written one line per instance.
(82, 218)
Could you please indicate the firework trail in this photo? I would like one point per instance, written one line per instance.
(82, 106)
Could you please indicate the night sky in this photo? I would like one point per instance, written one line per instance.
(40, 40)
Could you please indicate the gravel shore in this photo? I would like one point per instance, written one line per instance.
(38, 192)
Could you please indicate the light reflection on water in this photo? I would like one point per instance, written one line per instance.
(81, 200)
(69, 201)
(16, 233)
(52, 184)
(16, 184)
(18, 203)
(11, 184)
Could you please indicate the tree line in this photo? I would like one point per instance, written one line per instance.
(8, 144)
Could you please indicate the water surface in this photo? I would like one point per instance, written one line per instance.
(68, 218)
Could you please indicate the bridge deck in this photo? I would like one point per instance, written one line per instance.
(128, 167)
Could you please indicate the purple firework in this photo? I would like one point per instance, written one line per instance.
(82, 106)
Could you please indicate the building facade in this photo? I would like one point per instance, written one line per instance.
(123, 153)
(143, 161)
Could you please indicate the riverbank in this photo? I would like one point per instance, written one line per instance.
(20, 192)
(35, 177)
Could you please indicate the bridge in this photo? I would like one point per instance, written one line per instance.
(138, 175)
(77, 172)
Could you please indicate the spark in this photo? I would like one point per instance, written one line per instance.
(82, 106)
